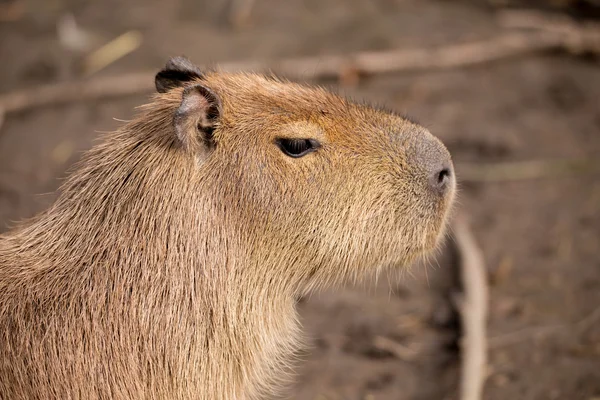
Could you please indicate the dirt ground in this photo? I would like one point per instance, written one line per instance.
(540, 237)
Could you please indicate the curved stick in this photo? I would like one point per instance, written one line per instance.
(473, 308)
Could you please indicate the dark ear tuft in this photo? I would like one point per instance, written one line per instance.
(177, 72)
(196, 118)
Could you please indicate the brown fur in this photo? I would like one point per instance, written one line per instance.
(162, 272)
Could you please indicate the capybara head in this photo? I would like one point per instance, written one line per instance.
(315, 188)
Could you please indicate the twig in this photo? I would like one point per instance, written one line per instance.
(577, 37)
(546, 35)
(60, 93)
(473, 308)
(111, 52)
(508, 339)
(303, 68)
(523, 170)
(398, 350)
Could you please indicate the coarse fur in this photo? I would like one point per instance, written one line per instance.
(168, 268)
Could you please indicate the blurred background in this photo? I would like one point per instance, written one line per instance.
(518, 107)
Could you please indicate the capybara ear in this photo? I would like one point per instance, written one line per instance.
(196, 118)
(177, 72)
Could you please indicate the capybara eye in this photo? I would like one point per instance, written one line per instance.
(297, 147)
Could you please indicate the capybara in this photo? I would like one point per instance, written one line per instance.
(170, 264)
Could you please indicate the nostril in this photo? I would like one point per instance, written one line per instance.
(441, 180)
(443, 176)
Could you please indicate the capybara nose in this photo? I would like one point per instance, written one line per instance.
(441, 179)
(434, 163)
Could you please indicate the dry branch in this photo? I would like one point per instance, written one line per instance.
(302, 68)
(577, 37)
(45, 95)
(473, 308)
(529, 32)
